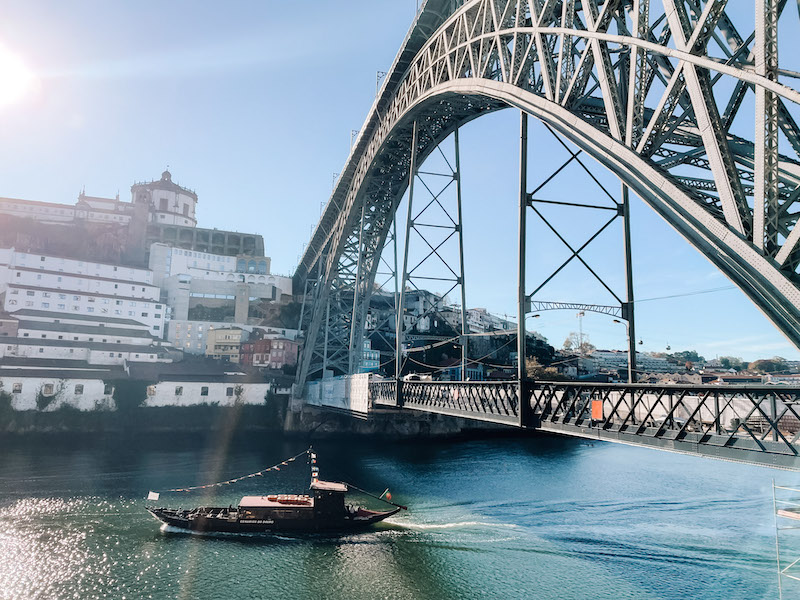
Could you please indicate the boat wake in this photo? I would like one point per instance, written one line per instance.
(455, 525)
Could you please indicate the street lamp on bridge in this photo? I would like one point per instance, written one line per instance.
(631, 352)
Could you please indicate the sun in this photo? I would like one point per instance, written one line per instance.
(16, 79)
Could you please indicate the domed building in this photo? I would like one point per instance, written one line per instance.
(168, 202)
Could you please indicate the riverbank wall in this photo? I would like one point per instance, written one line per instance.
(127, 411)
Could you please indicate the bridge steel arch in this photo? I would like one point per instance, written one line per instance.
(636, 88)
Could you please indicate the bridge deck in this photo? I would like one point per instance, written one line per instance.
(753, 424)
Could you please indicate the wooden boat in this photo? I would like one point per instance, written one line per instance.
(323, 509)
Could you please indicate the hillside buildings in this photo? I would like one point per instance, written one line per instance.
(95, 288)
(117, 231)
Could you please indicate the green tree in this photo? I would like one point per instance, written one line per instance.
(535, 370)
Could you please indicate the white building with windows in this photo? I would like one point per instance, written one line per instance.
(167, 261)
(80, 288)
(612, 360)
(191, 337)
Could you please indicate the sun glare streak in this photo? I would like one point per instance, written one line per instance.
(16, 79)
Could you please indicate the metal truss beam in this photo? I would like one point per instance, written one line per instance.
(563, 63)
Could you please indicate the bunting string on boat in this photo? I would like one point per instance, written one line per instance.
(314, 475)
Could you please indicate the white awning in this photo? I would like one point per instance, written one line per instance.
(328, 486)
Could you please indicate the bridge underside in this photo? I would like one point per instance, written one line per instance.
(757, 425)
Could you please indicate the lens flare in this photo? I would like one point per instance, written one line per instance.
(16, 79)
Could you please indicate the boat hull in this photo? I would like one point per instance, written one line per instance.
(223, 522)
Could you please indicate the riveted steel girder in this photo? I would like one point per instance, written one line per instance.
(557, 61)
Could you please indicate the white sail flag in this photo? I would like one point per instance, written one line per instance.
(152, 496)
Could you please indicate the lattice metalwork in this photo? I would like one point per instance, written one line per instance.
(433, 224)
(383, 393)
(654, 90)
(495, 402)
(752, 424)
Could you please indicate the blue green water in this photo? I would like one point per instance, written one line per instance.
(494, 518)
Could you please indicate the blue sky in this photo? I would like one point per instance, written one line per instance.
(252, 107)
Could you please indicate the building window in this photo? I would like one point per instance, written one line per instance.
(144, 314)
(17, 389)
(29, 293)
(41, 350)
(78, 389)
(151, 390)
(179, 390)
(108, 389)
(204, 391)
(229, 391)
(47, 389)
(111, 354)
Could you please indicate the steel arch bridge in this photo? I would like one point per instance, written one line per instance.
(655, 90)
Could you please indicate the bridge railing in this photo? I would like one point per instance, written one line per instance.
(487, 401)
(383, 392)
(757, 424)
(726, 419)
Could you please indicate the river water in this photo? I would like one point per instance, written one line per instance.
(490, 518)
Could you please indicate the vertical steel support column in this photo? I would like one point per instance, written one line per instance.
(404, 274)
(629, 311)
(398, 388)
(523, 406)
(773, 409)
(303, 306)
(354, 360)
(717, 417)
(464, 329)
(327, 328)
(765, 197)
